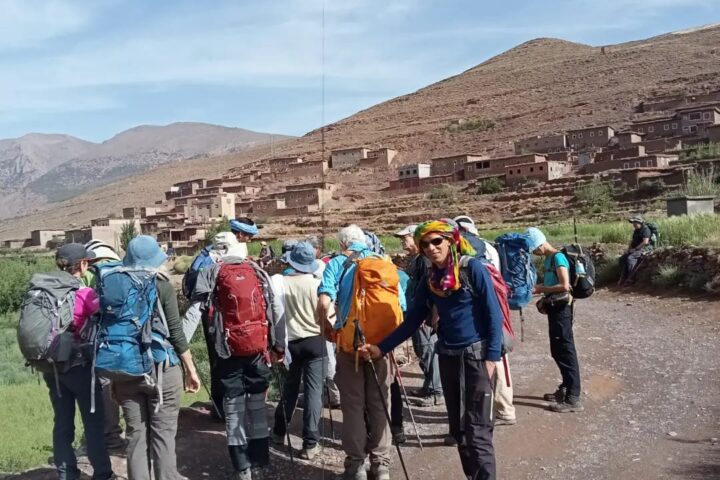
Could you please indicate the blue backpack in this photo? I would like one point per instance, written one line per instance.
(373, 243)
(132, 332)
(517, 268)
(202, 261)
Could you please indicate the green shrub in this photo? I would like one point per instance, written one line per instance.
(470, 125)
(182, 264)
(666, 276)
(608, 272)
(595, 197)
(217, 227)
(700, 152)
(491, 185)
(16, 272)
(699, 183)
(442, 192)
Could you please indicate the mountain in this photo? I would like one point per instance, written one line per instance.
(37, 168)
(541, 86)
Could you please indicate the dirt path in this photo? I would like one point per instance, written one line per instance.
(651, 390)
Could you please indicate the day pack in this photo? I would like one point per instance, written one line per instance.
(374, 301)
(582, 270)
(501, 290)
(517, 268)
(373, 243)
(243, 310)
(654, 233)
(202, 261)
(45, 316)
(132, 335)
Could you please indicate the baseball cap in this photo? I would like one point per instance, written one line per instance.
(466, 223)
(72, 253)
(409, 230)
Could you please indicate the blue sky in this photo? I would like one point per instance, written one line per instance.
(94, 68)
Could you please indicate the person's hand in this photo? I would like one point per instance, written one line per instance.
(192, 381)
(329, 332)
(537, 289)
(277, 357)
(370, 352)
(490, 367)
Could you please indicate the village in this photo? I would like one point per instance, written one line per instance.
(649, 146)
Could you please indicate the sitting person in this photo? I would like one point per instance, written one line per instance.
(640, 243)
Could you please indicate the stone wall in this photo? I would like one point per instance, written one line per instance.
(698, 267)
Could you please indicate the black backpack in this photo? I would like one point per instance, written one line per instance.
(582, 270)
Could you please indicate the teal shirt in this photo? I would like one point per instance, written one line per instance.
(550, 278)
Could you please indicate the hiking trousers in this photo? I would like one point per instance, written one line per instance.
(562, 347)
(471, 422)
(69, 389)
(423, 341)
(245, 381)
(628, 262)
(358, 394)
(151, 434)
(503, 406)
(308, 355)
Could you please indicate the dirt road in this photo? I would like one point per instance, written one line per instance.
(650, 385)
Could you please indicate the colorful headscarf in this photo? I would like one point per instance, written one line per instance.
(445, 281)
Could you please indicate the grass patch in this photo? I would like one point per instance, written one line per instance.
(667, 276)
(608, 273)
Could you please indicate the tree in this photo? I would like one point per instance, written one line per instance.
(127, 233)
(217, 227)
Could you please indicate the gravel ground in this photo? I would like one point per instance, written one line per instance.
(652, 395)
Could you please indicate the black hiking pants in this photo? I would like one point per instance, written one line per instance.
(562, 347)
(471, 424)
(396, 405)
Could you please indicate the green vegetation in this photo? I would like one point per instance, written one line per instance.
(127, 233)
(667, 276)
(595, 197)
(491, 185)
(699, 184)
(16, 272)
(182, 263)
(701, 152)
(651, 187)
(218, 227)
(608, 272)
(442, 192)
(470, 125)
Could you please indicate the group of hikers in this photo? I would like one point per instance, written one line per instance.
(107, 334)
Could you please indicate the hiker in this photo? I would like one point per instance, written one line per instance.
(70, 380)
(296, 294)
(245, 331)
(640, 243)
(363, 388)
(556, 303)
(267, 254)
(503, 408)
(114, 436)
(150, 406)
(425, 337)
(331, 394)
(244, 229)
(469, 339)
(224, 244)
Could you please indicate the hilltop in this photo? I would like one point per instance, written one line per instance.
(541, 86)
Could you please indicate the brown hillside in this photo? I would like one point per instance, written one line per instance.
(541, 86)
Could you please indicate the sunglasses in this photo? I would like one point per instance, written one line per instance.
(437, 241)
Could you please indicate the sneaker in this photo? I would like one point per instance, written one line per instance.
(505, 421)
(422, 402)
(242, 475)
(558, 396)
(277, 439)
(418, 392)
(398, 434)
(380, 472)
(569, 405)
(356, 472)
(310, 453)
(450, 441)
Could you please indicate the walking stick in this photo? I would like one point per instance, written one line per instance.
(522, 326)
(359, 340)
(332, 424)
(407, 401)
(285, 419)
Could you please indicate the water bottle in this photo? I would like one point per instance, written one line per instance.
(580, 268)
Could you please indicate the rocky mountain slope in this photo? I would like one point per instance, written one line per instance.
(37, 168)
(541, 86)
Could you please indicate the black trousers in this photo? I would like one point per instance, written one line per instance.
(396, 405)
(217, 391)
(471, 425)
(562, 347)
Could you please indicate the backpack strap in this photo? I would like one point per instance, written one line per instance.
(352, 258)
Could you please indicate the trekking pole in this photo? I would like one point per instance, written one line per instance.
(285, 419)
(407, 401)
(332, 424)
(207, 390)
(575, 228)
(522, 326)
(357, 343)
(431, 369)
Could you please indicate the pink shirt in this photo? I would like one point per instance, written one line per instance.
(87, 304)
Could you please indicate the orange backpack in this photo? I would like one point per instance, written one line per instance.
(375, 302)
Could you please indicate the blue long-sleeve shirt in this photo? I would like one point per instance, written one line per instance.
(466, 317)
(342, 291)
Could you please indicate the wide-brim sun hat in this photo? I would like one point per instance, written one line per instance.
(144, 251)
(535, 238)
(302, 258)
(636, 219)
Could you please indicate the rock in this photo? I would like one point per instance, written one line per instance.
(672, 434)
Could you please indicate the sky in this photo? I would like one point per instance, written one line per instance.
(94, 68)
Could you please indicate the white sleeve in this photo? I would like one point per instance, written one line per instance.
(191, 320)
(492, 254)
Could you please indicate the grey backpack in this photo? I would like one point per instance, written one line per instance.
(45, 315)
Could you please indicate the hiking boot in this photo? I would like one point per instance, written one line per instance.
(422, 402)
(310, 453)
(450, 441)
(355, 472)
(505, 421)
(569, 405)
(242, 475)
(380, 472)
(558, 396)
(398, 434)
(277, 439)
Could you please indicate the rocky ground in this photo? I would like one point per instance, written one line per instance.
(651, 390)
